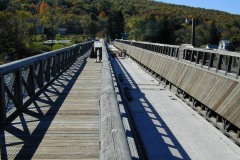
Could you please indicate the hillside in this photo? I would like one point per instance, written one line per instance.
(136, 19)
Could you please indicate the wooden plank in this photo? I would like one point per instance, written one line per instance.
(78, 122)
(63, 123)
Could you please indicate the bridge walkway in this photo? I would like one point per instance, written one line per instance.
(167, 127)
(63, 123)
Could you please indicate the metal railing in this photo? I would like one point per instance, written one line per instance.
(21, 81)
(222, 62)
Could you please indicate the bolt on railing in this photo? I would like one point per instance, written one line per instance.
(21, 81)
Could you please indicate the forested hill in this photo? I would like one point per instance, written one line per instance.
(144, 20)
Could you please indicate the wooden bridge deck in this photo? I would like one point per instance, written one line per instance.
(63, 123)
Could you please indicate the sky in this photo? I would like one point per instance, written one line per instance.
(230, 6)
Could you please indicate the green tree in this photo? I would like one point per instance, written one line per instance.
(50, 18)
(110, 27)
(7, 32)
(135, 26)
(3, 4)
(116, 25)
(182, 36)
(151, 29)
(130, 9)
(120, 24)
(166, 28)
(235, 43)
(23, 27)
(104, 5)
(72, 23)
(89, 25)
(200, 40)
(213, 35)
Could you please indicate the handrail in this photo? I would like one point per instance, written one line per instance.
(114, 144)
(22, 80)
(223, 62)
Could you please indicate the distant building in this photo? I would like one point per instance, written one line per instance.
(211, 46)
(223, 44)
(62, 31)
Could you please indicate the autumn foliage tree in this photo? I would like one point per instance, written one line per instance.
(50, 19)
(42, 7)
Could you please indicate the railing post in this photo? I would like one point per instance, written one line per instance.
(229, 64)
(69, 56)
(2, 100)
(238, 70)
(219, 62)
(203, 59)
(47, 70)
(177, 53)
(77, 52)
(198, 58)
(58, 63)
(172, 51)
(211, 60)
(53, 67)
(184, 54)
(18, 89)
(73, 51)
(31, 81)
(61, 61)
(40, 75)
(192, 56)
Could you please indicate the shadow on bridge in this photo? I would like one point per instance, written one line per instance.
(156, 138)
(20, 139)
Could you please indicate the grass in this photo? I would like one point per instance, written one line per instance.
(59, 45)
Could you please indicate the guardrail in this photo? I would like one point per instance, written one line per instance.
(220, 61)
(21, 81)
(207, 80)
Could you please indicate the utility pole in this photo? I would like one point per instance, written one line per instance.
(193, 32)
